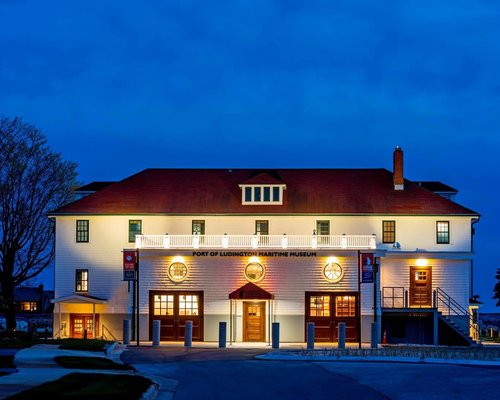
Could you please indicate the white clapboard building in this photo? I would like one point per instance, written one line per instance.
(252, 247)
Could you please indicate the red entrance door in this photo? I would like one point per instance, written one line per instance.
(81, 323)
(173, 309)
(327, 310)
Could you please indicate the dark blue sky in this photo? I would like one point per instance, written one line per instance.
(123, 86)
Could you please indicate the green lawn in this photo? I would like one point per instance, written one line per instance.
(73, 362)
(89, 386)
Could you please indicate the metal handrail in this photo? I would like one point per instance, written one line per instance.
(104, 328)
(453, 308)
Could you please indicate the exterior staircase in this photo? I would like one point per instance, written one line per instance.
(457, 319)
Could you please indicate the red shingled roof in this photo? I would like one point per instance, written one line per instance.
(217, 191)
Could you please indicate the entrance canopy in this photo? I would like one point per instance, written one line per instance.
(250, 291)
(80, 298)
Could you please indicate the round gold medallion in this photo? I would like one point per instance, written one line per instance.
(254, 272)
(177, 271)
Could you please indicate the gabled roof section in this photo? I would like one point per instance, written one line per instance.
(250, 291)
(268, 177)
(93, 186)
(217, 191)
(435, 186)
(80, 298)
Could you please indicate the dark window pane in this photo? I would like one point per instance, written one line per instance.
(276, 194)
(248, 194)
(443, 232)
(82, 230)
(198, 227)
(134, 228)
(262, 227)
(323, 227)
(256, 193)
(267, 193)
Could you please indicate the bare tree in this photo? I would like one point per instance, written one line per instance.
(33, 181)
(496, 289)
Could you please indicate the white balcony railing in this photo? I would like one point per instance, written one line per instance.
(255, 242)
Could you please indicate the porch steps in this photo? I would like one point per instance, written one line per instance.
(457, 329)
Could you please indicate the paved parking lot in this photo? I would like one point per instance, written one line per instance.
(228, 373)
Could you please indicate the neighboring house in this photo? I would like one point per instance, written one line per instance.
(33, 300)
(251, 247)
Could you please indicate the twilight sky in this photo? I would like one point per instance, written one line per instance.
(122, 86)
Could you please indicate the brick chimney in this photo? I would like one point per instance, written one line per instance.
(399, 183)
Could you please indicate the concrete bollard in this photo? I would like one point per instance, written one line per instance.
(156, 332)
(222, 335)
(374, 336)
(126, 331)
(276, 335)
(310, 336)
(188, 337)
(341, 328)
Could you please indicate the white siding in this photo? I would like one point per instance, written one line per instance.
(452, 276)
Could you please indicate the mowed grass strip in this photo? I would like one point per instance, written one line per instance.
(75, 362)
(81, 386)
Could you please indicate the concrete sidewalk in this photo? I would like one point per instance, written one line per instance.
(36, 365)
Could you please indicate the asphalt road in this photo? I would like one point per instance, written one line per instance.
(235, 374)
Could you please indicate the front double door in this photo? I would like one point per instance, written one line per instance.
(327, 310)
(173, 309)
(82, 326)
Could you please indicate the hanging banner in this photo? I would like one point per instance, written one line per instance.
(129, 265)
(367, 261)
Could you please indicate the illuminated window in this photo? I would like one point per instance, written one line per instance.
(254, 272)
(177, 271)
(82, 231)
(188, 304)
(134, 228)
(27, 306)
(442, 232)
(319, 306)
(388, 231)
(163, 305)
(262, 194)
(82, 280)
(345, 306)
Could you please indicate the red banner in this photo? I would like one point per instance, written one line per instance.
(129, 260)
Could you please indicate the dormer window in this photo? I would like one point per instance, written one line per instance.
(262, 194)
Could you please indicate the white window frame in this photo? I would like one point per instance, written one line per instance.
(261, 202)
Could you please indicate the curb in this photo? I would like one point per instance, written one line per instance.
(151, 393)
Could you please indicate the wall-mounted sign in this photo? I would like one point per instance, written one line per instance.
(129, 265)
(367, 261)
(129, 260)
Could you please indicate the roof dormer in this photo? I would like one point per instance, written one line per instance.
(263, 188)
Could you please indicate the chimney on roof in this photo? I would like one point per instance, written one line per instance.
(399, 183)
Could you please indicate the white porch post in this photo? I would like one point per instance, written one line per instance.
(60, 322)
(93, 320)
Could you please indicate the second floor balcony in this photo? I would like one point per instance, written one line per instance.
(347, 242)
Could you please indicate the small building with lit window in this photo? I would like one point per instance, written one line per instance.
(252, 247)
